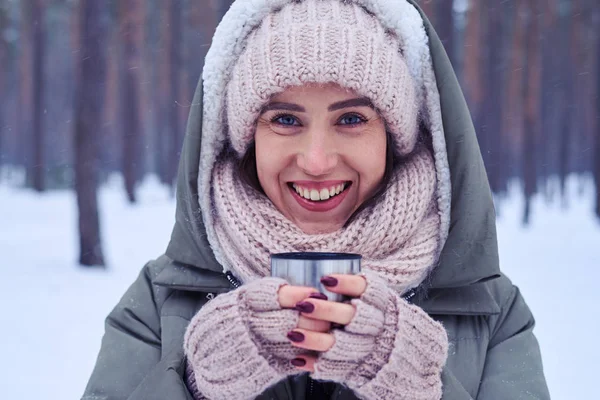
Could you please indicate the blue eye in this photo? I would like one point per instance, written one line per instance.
(351, 119)
(286, 120)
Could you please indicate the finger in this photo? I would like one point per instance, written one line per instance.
(350, 285)
(310, 340)
(313, 324)
(304, 363)
(331, 311)
(289, 295)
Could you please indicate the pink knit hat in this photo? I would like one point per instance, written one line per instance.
(322, 41)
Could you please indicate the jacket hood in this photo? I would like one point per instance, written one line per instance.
(469, 254)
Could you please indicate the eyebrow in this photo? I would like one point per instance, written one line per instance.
(282, 106)
(356, 102)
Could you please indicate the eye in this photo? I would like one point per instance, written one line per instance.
(285, 120)
(352, 119)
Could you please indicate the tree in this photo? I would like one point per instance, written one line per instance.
(531, 97)
(445, 25)
(25, 108)
(428, 7)
(38, 35)
(169, 132)
(223, 6)
(131, 16)
(596, 168)
(3, 70)
(88, 119)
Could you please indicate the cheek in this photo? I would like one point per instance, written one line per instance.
(268, 161)
(370, 161)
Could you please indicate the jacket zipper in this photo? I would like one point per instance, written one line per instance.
(233, 280)
(410, 295)
(311, 387)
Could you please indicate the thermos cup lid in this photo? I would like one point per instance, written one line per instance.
(316, 256)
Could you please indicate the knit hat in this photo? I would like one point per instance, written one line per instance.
(322, 41)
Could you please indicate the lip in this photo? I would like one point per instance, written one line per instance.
(321, 206)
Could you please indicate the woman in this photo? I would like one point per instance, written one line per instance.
(325, 126)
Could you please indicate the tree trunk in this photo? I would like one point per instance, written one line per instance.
(25, 104)
(39, 37)
(485, 52)
(88, 120)
(131, 15)
(494, 81)
(550, 88)
(4, 67)
(531, 96)
(566, 100)
(445, 27)
(223, 7)
(169, 83)
(596, 167)
(472, 63)
(428, 7)
(163, 135)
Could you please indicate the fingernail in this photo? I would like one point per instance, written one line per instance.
(305, 307)
(298, 362)
(319, 296)
(329, 281)
(296, 337)
(336, 326)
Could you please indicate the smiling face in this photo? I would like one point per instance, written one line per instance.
(320, 154)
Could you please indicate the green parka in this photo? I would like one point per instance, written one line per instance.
(493, 353)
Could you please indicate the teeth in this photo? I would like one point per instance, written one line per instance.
(319, 195)
(314, 195)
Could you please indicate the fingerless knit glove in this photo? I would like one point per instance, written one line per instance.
(390, 350)
(236, 344)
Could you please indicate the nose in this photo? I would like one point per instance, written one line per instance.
(318, 155)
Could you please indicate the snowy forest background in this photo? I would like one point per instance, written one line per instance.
(94, 101)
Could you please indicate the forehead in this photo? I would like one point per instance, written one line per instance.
(306, 98)
(324, 91)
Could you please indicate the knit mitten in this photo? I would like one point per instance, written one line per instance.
(390, 350)
(236, 344)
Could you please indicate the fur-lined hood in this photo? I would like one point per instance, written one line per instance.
(464, 200)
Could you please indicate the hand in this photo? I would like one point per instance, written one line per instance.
(318, 314)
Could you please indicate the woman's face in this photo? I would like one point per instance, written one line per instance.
(320, 154)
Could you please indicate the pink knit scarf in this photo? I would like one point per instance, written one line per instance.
(398, 236)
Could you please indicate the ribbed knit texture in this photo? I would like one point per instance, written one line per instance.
(236, 345)
(390, 350)
(397, 236)
(316, 41)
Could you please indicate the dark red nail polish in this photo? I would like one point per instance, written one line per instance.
(298, 362)
(329, 281)
(319, 296)
(305, 307)
(296, 337)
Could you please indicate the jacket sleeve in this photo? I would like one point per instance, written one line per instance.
(131, 345)
(513, 366)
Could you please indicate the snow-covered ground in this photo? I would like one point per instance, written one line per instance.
(53, 309)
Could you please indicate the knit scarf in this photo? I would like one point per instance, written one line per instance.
(397, 236)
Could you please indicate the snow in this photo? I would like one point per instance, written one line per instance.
(54, 309)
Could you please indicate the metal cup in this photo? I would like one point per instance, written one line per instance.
(307, 269)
